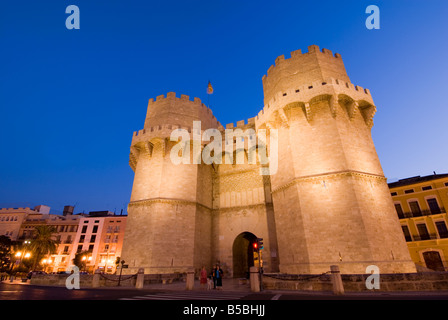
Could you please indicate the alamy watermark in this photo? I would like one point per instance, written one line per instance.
(189, 149)
(373, 20)
(373, 281)
(72, 281)
(73, 20)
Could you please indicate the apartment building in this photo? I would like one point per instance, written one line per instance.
(66, 227)
(421, 204)
(100, 237)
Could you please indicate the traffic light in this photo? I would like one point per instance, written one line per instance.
(255, 245)
(260, 243)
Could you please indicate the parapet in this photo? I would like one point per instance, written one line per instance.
(172, 95)
(302, 68)
(14, 209)
(178, 111)
(242, 124)
(310, 93)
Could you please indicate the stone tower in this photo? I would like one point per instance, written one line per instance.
(169, 225)
(327, 203)
(331, 201)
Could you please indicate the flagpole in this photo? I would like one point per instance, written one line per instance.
(209, 92)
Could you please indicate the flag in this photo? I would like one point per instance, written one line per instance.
(209, 88)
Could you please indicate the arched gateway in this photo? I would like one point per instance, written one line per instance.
(319, 195)
(243, 254)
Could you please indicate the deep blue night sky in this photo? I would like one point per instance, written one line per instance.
(71, 99)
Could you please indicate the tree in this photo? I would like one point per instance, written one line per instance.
(5, 252)
(79, 261)
(43, 243)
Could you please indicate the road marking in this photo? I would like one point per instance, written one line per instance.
(276, 297)
(189, 296)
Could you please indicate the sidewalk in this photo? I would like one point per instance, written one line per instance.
(234, 285)
(16, 281)
(227, 285)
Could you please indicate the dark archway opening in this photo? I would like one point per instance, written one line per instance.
(243, 254)
(433, 261)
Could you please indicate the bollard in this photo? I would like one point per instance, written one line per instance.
(336, 279)
(254, 279)
(140, 278)
(190, 280)
(96, 279)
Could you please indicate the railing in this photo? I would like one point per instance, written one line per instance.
(428, 236)
(421, 213)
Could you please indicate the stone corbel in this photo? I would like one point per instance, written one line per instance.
(351, 109)
(333, 105)
(133, 157)
(149, 147)
(283, 117)
(368, 113)
(270, 125)
(164, 145)
(307, 110)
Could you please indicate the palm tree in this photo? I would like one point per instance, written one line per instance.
(43, 243)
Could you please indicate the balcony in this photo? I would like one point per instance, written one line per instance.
(421, 213)
(428, 236)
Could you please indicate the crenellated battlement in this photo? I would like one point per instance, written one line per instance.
(242, 124)
(178, 111)
(8, 210)
(297, 54)
(308, 93)
(170, 96)
(301, 69)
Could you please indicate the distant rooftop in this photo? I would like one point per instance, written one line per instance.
(417, 179)
(100, 214)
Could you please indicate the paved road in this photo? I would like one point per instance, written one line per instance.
(31, 292)
(174, 302)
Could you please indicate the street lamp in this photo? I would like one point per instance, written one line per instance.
(84, 263)
(121, 269)
(46, 263)
(84, 259)
(20, 256)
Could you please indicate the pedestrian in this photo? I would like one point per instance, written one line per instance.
(209, 282)
(203, 277)
(214, 277)
(218, 276)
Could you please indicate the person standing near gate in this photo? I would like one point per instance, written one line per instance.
(213, 275)
(203, 277)
(218, 276)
